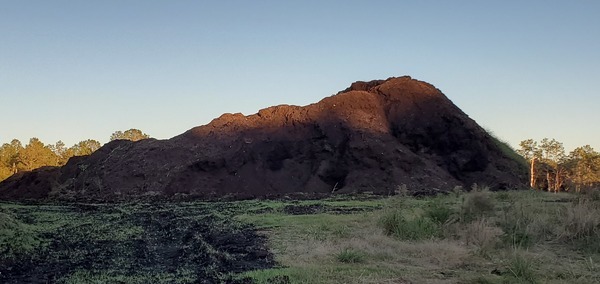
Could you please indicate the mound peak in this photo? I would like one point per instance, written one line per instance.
(372, 137)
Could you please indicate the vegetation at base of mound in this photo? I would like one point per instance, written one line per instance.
(463, 237)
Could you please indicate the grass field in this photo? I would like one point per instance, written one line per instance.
(462, 237)
(475, 237)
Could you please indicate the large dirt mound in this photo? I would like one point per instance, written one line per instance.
(373, 136)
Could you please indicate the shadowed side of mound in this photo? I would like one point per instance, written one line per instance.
(371, 137)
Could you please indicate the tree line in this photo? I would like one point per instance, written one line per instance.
(14, 157)
(552, 169)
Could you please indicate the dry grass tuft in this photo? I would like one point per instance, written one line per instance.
(477, 203)
(581, 220)
(521, 268)
(483, 234)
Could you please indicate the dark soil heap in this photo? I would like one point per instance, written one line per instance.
(372, 137)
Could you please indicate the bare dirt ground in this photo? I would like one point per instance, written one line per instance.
(132, 243)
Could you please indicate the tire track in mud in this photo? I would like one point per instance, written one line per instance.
(192, 245)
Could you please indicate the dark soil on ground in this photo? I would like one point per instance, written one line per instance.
(194, 245)
(372, 137)
(321, 208)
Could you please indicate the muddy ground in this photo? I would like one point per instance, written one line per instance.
(133, 243)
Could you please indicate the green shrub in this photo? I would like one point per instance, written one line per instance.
(350, 255)
(419, 228)
(439, 212)
(389, 221)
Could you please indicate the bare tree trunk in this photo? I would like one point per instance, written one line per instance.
(577, 179)
(532, 173)
(549, 180)
(557, 180)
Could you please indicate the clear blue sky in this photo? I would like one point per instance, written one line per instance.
(73, 70)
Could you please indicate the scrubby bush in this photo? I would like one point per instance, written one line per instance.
(389, 221)
(581, 220)
(483, 234)
(516, 223)
(457, 191)
(521, 268)
(477, 203)
(580, 225)
(439, 212)
(402, 190)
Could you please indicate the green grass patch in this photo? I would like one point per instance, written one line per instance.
(394, 223)
(16, 237)
(350, 255)
(508, 151)
(440, 212)
(85, 276)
